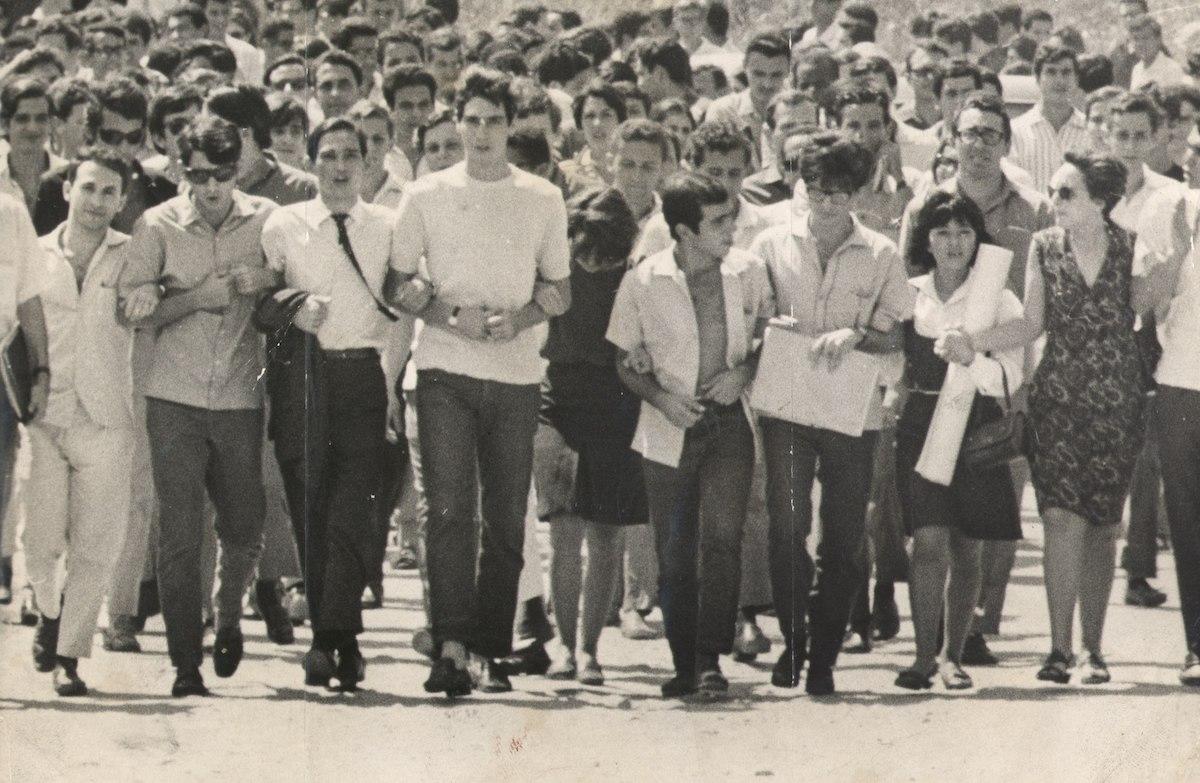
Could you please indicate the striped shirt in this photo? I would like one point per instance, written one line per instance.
(1038, 148)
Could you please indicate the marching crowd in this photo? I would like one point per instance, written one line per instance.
(299, 279)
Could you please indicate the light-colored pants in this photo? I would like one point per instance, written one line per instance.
(78, 505)
(131, 568)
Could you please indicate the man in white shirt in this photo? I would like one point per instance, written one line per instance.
(79, 483)
(487, 233)
(1041, 135)
(250, 59)
(1167, 260)
(767, 66)
(824, 30)
(329, 427)
(1153, 65)
(1132, 123)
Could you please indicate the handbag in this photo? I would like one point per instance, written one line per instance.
(17, 373)
(996, 442)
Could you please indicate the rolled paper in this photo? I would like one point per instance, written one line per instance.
(939, 455)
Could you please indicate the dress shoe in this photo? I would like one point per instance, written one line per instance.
(885, 620)
(679, 686)
(188, 682)
(227, 651)
(819, 681)
(749, 642)
(1139, 592)
(712, 682)
(66, 678)
(976, 652)
(351, 670)
(493, 678)
(406, 559)
(269, 595)
(119, 636)
(446, 677)
(319, 667)
(1094, 671)
(634, 626)
(373, 596)
(1057, 668)
(1190, 673)
(786, 672)
(532, 660)
(45, 641)
(859, 643)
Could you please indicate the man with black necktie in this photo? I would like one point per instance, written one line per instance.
(328, 420)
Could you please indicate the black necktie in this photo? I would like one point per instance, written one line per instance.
(339, 220)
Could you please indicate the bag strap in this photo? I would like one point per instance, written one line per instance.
(1004, 380)
(348, 250)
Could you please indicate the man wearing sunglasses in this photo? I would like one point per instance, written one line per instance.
(195, 271)
(119, 128)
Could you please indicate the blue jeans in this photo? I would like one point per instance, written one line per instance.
(475, 435)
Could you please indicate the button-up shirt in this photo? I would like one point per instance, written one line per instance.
(862, 284)
(204, 359)
(89, 350)
(301, 242)
(1038, 148)
(1163, 71)
(654, 310)
(1171, 224)
(1128, 212)
(390, 192)
(22, 271)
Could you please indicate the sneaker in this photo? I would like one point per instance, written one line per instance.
(45, 641)
(976, 652)
(1190, 673)
(446, 677)
(188, 682)
(119, 636)
(227, 651)
(1139, 592)
(66, 678)
(268, 596)
(634, 626)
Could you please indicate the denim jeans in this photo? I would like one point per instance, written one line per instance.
(698, 511)
(796, 454)
(194, 452)
(1177, 420)
(476, 442)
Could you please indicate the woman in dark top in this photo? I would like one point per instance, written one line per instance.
(949, 523)
(587, 423)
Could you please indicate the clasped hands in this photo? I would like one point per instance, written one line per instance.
(479, 323)
(832, 346)
(212, 295)
(955, 346)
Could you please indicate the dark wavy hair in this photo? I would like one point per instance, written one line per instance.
(834, 161)
(940, 209)
(1103, 175)
(601, 224)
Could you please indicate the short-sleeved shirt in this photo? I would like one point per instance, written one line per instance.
(205, 360)
(654, 310)
(301, 241)
(22, 271)
(485, 244)
(1038, 148)
(1171, 224)
(1129, 210)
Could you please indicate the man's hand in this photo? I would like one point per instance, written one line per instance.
(414, 295)
(39, 395)
(312, 313)
(470, 323)
(395, 419)
(726, 388)
(500, 325)
(834, 346)
(249, 280)
(214, 294)
(639, 361)
(785, 322)
(141, 302)
(548, 298)
(955, 346)
(681, 411)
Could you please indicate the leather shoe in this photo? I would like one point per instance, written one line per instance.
(188, 682)
(915, 680)
(493, 678)
(819, 681)
(66, 678)
(1190, 673)
(532, 660)
(119, 636)
(351, 670)
(1140, 593)
(976, 652)
(749, 642)
(679, 686)
(712, 682)
(445, 677)
(227, 651)
(1057, 668)
(786, 672)
(268, 594)
(319, 667)
(886, 621)
(45, 641)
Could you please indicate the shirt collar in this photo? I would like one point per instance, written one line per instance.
(317, 212)
(57, 239)
(801, 230)
(243, 207)
(926, 286)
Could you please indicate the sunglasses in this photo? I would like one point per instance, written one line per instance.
(114, 138)
(1064, 193)
(202, 176)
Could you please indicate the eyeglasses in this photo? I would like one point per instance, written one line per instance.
(988, 136)
(177, 125)
(114, 138)
(1064, 193)
(494, 121)
(295, 85)
(835, 197)
(202, 176)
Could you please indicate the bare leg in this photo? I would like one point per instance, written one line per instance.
(927, 588)
(566, 565)
(963, 591)
(604, 544)
(1099, 554)
(1063, 565)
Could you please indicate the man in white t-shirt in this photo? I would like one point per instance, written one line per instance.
(471, 244)
(1153, 65)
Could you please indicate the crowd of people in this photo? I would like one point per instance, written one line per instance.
(309, 282)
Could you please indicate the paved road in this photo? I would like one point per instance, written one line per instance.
(263, 725)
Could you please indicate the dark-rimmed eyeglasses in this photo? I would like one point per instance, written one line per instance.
(988, 136)
(114, 138)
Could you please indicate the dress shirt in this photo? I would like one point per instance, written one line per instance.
(1038, 148)
(22, 271)
(90, 352)
(1162, 71)
(145, 190)
(390, 192)
(205, 360)
(1128, 212)
(654, 310)
(398, 165)
(9, 184)
(1171, 224)
(301, 242)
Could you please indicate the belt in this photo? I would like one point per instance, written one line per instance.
(931, 392)
(349, 354)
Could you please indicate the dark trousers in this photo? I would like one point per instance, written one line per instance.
(796, 454)
(1140, 556)
(193, 452)
(1177, 417)
(332, 482)
(476, 442)
(885, 531)
(395, 464)
(697, 511)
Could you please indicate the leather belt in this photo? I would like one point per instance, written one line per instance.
(348, 354)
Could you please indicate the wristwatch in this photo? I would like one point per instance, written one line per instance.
(453, 319)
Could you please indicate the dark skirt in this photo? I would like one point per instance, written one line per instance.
(596, 417)
(979, 503)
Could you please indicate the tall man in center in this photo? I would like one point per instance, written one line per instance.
(489, 235)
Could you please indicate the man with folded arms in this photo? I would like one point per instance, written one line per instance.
(196, 263)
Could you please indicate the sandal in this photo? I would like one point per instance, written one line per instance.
(955, 679)
(916, 680)
(562, 670)
(1057, 668)
(1095, 670)
(590, 673)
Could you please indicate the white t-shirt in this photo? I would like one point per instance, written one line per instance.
(485, 244)
(22, 264)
